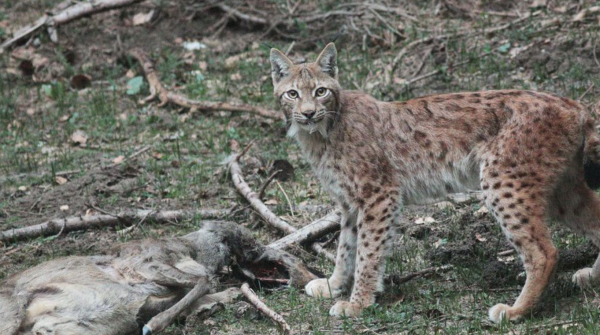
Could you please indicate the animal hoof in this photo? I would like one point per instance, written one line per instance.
(321, 288)
(146, 331)
(345, 308)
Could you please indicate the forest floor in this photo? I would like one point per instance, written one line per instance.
(50, 123)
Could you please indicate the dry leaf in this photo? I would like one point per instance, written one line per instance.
(236, 76)
(235, 145)
(119, 159)
(60, 180)
(30, 111)
(581, 15)
(130, 74)
(64, 208)
(64, 118)
(483, 211)
(141, 18)
(22, 188)
(157, 155)
(271, 202)
(425, 220)
(480, 238)
(538, 4)
(79, 137)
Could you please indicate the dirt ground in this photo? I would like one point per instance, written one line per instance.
(46, 172)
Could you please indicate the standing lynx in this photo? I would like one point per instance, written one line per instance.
(525, 150)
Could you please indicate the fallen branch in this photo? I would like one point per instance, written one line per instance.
(65, 15)
(313, 231)
(74, 223)
(273, 220)
(157, 90)
(255, 300)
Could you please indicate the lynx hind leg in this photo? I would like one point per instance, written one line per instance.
(519, 206)
(343, 274)
(578, 207)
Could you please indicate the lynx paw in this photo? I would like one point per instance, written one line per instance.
(502, 311)
(584, 277)
(345, 308)
(322, 288)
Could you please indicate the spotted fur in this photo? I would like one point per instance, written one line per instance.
(525, 150)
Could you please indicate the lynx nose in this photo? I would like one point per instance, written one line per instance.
(309, 114)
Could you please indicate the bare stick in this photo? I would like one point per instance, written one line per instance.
(165, 96)
(245, 190)
(74, 223)
(161, 321)
(313, 231)
(273, 220)
(255, 300)
(67, 15)
(286, 198)
(263, 187)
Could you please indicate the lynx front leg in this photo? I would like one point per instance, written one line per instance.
(374, 224)
(344, 263)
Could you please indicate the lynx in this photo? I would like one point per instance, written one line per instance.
(533, 155)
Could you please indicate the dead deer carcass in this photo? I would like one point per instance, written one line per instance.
(118, 293)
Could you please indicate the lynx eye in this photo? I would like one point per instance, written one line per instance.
(321, 92)
(292, 94)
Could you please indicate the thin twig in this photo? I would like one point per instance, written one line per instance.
(263, 187)
(423, 60)
(131, 228)
(586, 92)
(286, 197)
(410, 46)
(263, 308)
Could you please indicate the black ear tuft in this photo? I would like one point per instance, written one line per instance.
(280, 65)
(327, 60)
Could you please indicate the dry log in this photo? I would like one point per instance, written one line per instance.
(161, 321)
(74, 223)
(165, 96)
(64, 16)
(270, 217)
(255, 300)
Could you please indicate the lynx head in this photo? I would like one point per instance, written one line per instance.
(308, 93)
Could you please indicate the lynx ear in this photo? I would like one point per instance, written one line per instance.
(327, 60)
(280, 65)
